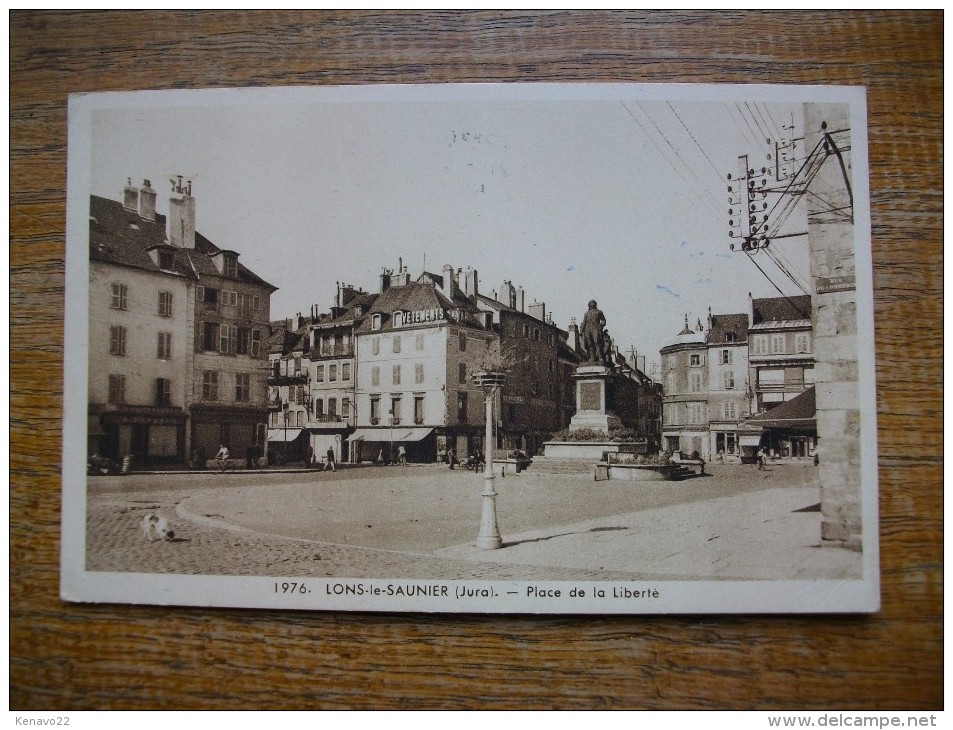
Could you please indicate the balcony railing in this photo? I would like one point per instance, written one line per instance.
(297, 379)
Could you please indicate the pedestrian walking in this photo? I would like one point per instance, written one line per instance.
(761, 459)
(402, 455)
(452, 457)
(329, 464)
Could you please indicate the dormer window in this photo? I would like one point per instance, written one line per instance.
(230, 266)
(729, 337)
(166, 260)
(376, 322)
(359, 310)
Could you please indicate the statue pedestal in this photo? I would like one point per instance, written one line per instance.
(594, 399)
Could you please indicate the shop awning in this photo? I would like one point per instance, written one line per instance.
(799, 412)
(282, 434)
(390, 434)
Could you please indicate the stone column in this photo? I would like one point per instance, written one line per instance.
(831, 237)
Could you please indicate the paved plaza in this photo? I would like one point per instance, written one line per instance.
(421, 521)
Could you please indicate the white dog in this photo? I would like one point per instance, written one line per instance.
(155, 527)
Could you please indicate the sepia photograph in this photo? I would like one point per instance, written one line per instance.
(474, 348)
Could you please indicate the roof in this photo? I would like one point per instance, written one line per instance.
(777, 324)
(412, 297)
(349, 314)
(799, 412)
(780, 308)
(122, 237)
(723, 325)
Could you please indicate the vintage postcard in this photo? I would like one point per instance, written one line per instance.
(521, 348)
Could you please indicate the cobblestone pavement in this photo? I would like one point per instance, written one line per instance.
(422, 522)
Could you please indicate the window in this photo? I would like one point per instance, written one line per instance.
(255, 302)
(226, 339)
(728, 380)
(760, 344)
(395, 375)
(210, 299)
(419, 342)
(229, 298)
(242, 387)
(256, 343)
(209, 385)
(117, 340)
(375, 410)
(463, 342)
(346, 371)
(375, 375)
(729, 336)
(462, 374)
(729, 410)
(163, 392)
(375, 322)
(695, 360)
(418, 409)
(332, 408)
(297, 364)
(770, 377)
(210, 336)
(670, 384)
(345, 408)
(395, 343)
(696, 413)
(395, 409)
(319, 373)
(419, 372)
(725, 358)
(462, 407)
(164, 346)
(166, 260)
(802, 342)
(319, 408)
(117, 388)
(694, 382)
(300, 396)
(230, 266)
(165, 304)
(243, 342)
(777, 344)
(120, 294)
(375, 345)
(333, 372)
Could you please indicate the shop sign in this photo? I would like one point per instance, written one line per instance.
(405, 319)
(829, 284)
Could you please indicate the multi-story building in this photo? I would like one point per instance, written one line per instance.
(535, 385)
(416, 349)
(781, 366)
(685, 393)
(729, 399)
(332, 370)
(140, 355)
(177, 334)
(231, 310)
(289, 393)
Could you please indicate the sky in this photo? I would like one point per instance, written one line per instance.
(606, 192)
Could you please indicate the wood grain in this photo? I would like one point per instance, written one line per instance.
(73, 656)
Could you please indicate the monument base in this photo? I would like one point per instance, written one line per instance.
(594, 399)
(595, 421)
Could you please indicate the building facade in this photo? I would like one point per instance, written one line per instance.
(685, 371)
(178, 335)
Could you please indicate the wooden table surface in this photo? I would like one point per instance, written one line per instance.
(74, 656)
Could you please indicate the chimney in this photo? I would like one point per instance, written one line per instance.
(147, 201)
(537, 310)
(385, 280)
(573, 339)
(448, 281)
(508, 294)
(182, 216)
(631, 357)
(709, 319)
(471, 283)
(130, 196)
(520, 299)
(640, 364)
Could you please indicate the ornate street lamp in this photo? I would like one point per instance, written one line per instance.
(489, 538)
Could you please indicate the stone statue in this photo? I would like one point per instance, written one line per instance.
(593, 324)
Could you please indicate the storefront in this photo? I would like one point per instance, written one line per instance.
(152, 436)
(788, 431)
(381, 445)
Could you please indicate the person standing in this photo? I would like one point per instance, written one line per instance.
(329, 464)
(402, 455)
(452, 457)
(761, 458)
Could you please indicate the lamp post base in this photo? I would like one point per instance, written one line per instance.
(489, 538)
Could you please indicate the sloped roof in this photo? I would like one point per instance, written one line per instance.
(799, 412)
(413, 297)
(121, 237)
(780, 308)
(728, 324)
